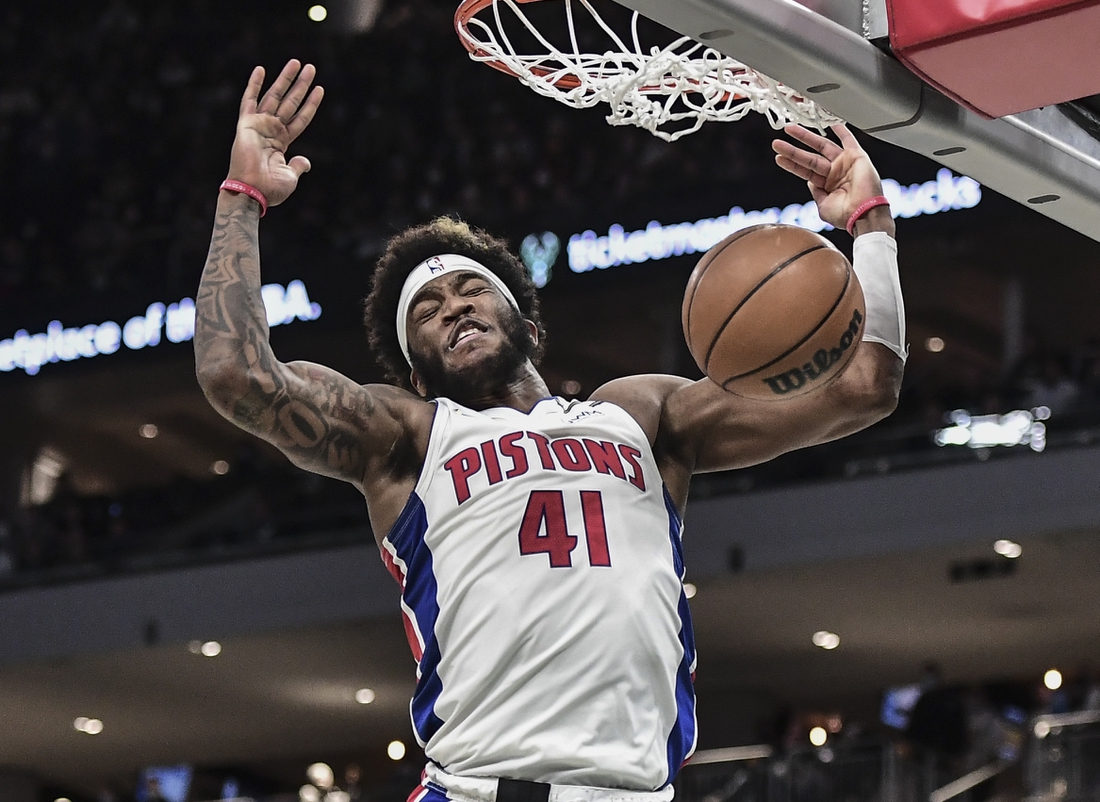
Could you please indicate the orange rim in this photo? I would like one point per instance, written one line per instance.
(469, 9)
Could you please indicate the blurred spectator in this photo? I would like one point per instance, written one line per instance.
(1092, 692)
(1046, 382)
(938, 723)
(7, 547)
(987, 732)
(1087, 362)
(1079, 685)
(153, 792)
(1050, 701)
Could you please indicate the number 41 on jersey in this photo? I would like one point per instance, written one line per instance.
(544, 529)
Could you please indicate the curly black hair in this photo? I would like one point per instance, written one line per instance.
(414, 245)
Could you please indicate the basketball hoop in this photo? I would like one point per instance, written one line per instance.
(669, 91)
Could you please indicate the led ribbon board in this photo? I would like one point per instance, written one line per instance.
(174, 323)
(588, 250)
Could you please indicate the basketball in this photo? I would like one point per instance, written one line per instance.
(773, 312)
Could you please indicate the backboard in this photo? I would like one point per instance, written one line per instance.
(827, 50)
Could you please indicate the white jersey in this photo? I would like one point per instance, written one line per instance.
(540, 563)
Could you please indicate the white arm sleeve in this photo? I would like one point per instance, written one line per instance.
(875, 259)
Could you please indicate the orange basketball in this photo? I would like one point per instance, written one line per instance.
(773, 312)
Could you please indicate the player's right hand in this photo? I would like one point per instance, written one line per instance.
(267, 126)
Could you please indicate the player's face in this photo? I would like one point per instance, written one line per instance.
(465, 338)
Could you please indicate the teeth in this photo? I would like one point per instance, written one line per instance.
(467, 333)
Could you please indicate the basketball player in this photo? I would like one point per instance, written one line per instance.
(537, 541)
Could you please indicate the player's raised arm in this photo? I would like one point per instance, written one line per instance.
(698, 426)
(728, 431)
(319, 418)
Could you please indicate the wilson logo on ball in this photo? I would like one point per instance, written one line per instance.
(796, 378)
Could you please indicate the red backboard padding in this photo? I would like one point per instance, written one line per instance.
(1000, 57)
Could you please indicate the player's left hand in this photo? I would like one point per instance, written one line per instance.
(840, 177)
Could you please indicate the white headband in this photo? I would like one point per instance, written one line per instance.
(431, 269)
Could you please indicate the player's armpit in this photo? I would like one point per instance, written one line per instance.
(715, 430)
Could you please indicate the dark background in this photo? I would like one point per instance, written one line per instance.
(115, 125)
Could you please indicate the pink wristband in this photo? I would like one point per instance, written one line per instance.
(243, 188)
(863, 208)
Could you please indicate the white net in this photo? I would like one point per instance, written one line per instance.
(668, 90)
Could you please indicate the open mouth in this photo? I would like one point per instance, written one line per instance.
(464, 331)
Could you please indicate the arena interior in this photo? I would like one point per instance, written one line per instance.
(908, 613)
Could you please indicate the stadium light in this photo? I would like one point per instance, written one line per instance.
(826, 640)
(1053, 679)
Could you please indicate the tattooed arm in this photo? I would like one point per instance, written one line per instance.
(316, 416)
(319, 418)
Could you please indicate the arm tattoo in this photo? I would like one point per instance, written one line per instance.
(314, 415)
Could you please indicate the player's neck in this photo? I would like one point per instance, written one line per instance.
(521, 393)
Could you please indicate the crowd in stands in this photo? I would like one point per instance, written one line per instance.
(949, 730)
(264, 503)
(259, 506)
(116, 120)
(115, 123)
(1068, 384)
